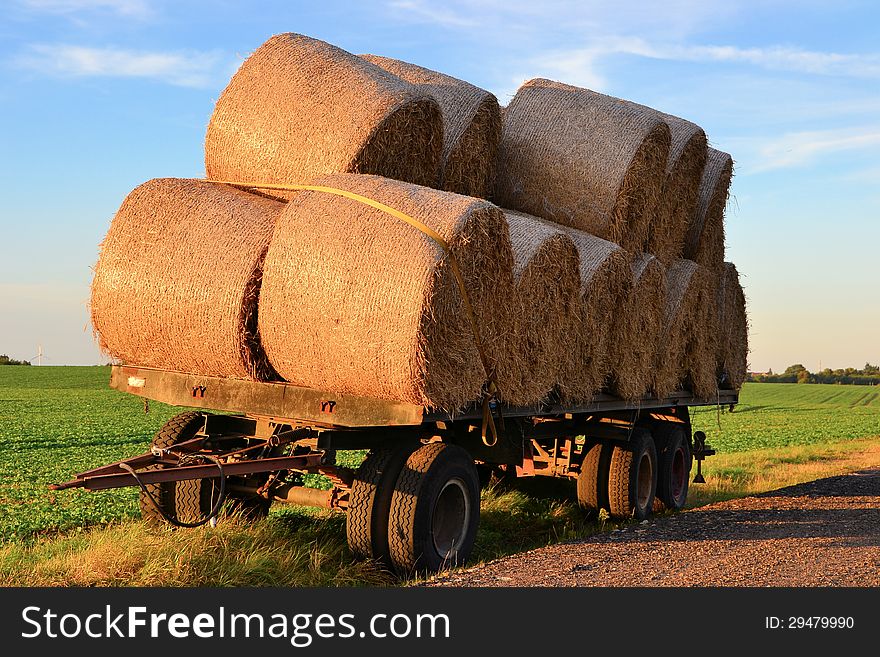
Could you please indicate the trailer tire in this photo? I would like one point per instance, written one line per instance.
(366, 519)
(186, 501)
(632, 477)
(435, 510)
(592, 482)
(673, 472)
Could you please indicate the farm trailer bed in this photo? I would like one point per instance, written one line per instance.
(414, 501)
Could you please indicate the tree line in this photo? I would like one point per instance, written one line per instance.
(869, 375)
(6, 360)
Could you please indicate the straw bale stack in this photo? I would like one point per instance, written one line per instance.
(681, 186)
(733, 328)
(582, 159)
(704, 242)
(357, 301)
(178, 278)
(688, 345)
(299, 107)
(605, 279)
(545, 309)
(472, 126)
(638, 325)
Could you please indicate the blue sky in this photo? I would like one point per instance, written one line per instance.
(97, 96)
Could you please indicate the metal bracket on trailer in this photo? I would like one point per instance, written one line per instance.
(115, 476)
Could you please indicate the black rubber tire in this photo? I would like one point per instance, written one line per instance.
(631, 488)
(428, 474)
(592, 482)
(366, 519)
(674, 469)
(186, 501)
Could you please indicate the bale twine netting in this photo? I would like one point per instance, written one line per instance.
(472, 126)
(545, 309)
(605, 281)
(299, 107)
(582, 159)
(358, 301)
(686, 355)
(638, 324)
(704, 241)
(681, 186)
(178, 278)
(733, 328)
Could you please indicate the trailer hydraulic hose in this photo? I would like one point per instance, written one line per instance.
(215, 509)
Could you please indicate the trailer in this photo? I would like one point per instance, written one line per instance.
(413, 504)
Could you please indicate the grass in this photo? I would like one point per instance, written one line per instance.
(780, 435)
(790, 414)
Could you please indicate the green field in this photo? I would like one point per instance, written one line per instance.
(55, 421)
(790, 414)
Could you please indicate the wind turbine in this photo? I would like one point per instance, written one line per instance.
(39, 355)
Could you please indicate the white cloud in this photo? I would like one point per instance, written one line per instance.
(185, 69)
(782, 58)
(582, 61)
(575, 18)
(796, 149)
(423, 11)
(132, 8)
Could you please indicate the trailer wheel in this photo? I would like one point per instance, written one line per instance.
(435, 510)
(592, 482)
(632, 477)
(186, 501)
(366, 519)
(674, 470)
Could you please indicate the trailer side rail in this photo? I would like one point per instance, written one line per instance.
(285, 401)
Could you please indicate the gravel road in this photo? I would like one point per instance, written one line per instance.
(821, 533)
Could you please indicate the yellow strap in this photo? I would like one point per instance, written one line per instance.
(488, 420)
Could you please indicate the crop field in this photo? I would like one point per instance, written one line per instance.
(792, 414)
(56, 421)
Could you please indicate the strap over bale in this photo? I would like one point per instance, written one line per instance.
(582, 159)
(472, 126)
(299, 107)
(356, 301)
(178, 278)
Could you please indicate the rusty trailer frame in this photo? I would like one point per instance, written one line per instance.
(255, 440)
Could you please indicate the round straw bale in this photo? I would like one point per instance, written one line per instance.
(358, 301)
(704, 241)
(605, 280)
(299, 107)
(681, 186)
(545, 309)
(178, 279)
(733, 329)
(472, 126)
(582, 159)
(637, 327)
(687, 350)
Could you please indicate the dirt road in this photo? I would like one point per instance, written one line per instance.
(822, 533)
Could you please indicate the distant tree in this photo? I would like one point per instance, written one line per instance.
(795, 369)
(804, 376)
(6, 360)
